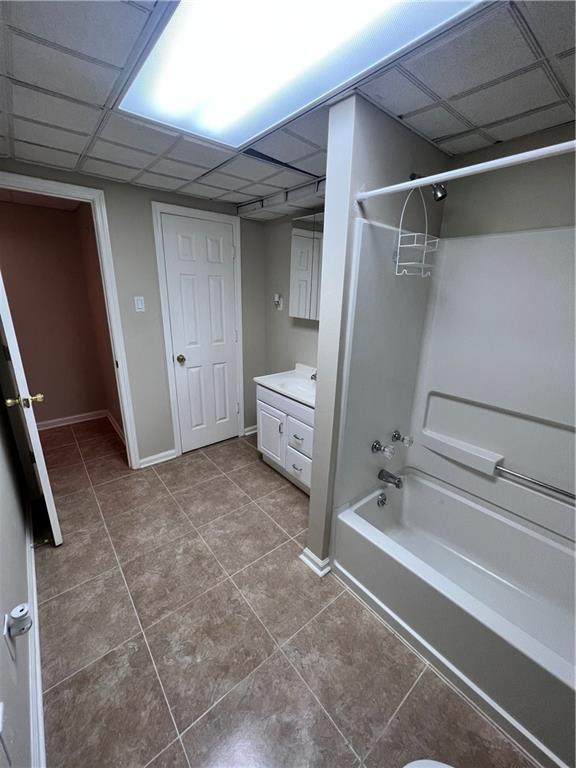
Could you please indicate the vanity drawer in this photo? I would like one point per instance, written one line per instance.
(300, 436)
(298, 466)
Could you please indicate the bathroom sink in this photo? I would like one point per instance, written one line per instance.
(295, 384)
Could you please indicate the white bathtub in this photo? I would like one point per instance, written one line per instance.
(491, 599)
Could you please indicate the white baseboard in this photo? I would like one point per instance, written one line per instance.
(250, 430)
(37, 743)
(51, 423)
(320, 567)
(158, 458)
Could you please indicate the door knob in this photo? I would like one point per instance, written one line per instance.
(24, 401)
(39, 398)
(12, 401)
(181, 359)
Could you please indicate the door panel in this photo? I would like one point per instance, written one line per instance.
(200, 278)
(271, 432)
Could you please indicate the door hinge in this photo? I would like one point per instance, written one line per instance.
(237, 408)
(236, 336)
(6, 352)
(116, 363)
(32, 456)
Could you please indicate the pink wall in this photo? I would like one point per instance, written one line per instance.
(58, 320)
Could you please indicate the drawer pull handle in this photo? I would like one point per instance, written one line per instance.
(297, 437)
(298, 469)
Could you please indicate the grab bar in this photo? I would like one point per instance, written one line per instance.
(539, 483)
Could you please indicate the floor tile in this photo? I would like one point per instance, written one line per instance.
(357, 667)
(88, 430)
(83, 624)
(84, 554)
(170, 576)
(270, 719)
(173, 757)
(108, 468)
(63, 456)
(186, 471)
(258, 479)
(105, 445)
(56, 437)
(137, 490)
(284, 592)
(288, 507)
(205, 649)
(251, 439)
(302, 539)
(242, 537)
(78, 510)
(231, 454)
(110, 715)
(65, 480)
(436, 723)
(146, 528)
(211, 499)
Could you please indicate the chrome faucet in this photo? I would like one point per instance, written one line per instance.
(314, 376)
(389, 478)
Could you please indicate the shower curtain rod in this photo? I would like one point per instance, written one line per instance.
(472, 170)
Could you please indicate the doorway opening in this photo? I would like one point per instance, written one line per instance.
(51, 275)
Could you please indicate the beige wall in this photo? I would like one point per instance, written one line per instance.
(289, 340)
(41, 263)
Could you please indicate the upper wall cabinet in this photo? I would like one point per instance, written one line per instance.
(306, 267)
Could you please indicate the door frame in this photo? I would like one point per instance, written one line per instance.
(193, 213)
(97, 201)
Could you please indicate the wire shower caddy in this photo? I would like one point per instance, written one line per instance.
(413, 247)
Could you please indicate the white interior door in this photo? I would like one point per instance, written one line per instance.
(301, 261)
(21, 405)
(200, 258)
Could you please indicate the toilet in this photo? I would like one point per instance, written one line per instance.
(427, 764)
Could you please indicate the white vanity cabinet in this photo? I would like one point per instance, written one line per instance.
(286, 435)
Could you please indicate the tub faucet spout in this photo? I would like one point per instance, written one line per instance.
(389, 478)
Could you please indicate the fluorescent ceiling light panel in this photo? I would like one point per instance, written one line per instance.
(229, 71)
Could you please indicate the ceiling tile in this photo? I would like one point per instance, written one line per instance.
(162, 182)
(537, 121)
(201, 190)
(469, 143)
(313, 126)
(194, 152)
(518, 94)
(282, 146)
(236, 197)
(104, 150)
(48, 136)
(286, 179)
(134, 134)
(436, 122)
(566, 66)
(44, 155)
(3, 146)
(51, 109)
(552, 23)
(217, 179)
(248, 168)
(104, 30)
(315, 163)
(261, 215)
(109, 170)
(175, 168)
(57, 71)
(396, 93)
(259, 190)
(490, 47)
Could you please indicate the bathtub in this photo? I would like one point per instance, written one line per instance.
(488, 599)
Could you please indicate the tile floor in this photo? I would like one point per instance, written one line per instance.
(179, 629)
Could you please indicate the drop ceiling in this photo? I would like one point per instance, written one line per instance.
(506, 71)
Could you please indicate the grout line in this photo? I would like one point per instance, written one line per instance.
(166, 748)
(187, 603)
(398, 708)
(92, 661)
(141, 627)
(79, 584)
(331, 602)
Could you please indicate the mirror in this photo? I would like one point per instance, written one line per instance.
(306, 266)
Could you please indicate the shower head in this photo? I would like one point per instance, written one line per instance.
(439, 192)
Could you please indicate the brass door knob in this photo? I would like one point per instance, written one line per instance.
(12, 401)
(181, 359)
(39, 398)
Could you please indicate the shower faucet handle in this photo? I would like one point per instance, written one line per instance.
(387, 450)
(404, 439)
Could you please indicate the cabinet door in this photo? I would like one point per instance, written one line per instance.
(316, 278)
(271, 432)
(301, 261)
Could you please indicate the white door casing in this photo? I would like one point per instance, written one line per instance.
(28, 414)
(200, 272)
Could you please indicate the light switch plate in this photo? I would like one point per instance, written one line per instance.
(139, 304)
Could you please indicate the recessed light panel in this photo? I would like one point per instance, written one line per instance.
(229, 71)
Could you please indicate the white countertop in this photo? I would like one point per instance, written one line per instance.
(295, 384)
